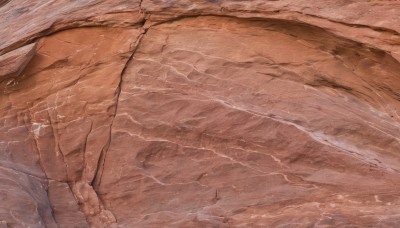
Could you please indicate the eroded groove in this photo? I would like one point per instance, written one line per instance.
(343, 49)
(97, 178)
(4, 2)
(167, 90)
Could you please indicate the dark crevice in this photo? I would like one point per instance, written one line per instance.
(4, 2)
(324, 82)
(100, 165)
(375, 28)
(283, 25)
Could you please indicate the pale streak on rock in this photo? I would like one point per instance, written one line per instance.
(188, 111)
(288, 116)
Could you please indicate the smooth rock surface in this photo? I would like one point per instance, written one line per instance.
(224, 113)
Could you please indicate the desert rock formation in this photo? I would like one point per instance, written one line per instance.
(218, 113)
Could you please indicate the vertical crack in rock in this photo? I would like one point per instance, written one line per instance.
(239, 113)
(190, 98)
(100, 166)
(91, 204)
(61, 128)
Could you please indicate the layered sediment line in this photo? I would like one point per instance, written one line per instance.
(199, 113)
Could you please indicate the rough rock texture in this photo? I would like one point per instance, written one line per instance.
(14, 62)
(199, 113)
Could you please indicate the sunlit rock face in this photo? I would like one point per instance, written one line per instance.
(199, 113)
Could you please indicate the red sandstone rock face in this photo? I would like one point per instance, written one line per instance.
(199, 114)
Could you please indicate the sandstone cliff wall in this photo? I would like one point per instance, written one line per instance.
(219, 113)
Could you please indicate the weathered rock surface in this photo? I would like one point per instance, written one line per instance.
(14, 62)
(199, 113)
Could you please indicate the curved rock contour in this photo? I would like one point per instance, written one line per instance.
(199, 113)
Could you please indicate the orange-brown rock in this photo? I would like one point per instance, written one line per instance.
(14, 62)
(199, 113)
(57, 118)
